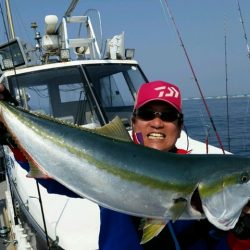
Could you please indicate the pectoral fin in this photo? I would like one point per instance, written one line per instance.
(151, 228)
(178, 208)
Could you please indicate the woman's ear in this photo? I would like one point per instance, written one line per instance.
(180, 128)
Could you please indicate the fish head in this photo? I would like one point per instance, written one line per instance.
(223, 198)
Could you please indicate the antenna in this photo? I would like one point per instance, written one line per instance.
(10, 20)
(226, 82)
(71, 7)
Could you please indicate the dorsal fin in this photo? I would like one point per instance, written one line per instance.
(114, 129)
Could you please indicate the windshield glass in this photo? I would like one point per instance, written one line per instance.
(81, 94)
(115, 86)
(59, 92)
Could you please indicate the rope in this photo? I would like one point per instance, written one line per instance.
(170, 227)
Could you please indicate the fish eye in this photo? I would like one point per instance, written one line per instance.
(244, 177)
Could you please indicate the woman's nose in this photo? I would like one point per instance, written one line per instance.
(157, 122)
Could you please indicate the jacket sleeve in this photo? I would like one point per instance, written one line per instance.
(117, 231)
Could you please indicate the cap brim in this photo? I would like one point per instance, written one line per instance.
(158, 99)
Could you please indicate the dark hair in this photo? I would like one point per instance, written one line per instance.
(181, 120)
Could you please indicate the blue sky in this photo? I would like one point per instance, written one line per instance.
(149, 30)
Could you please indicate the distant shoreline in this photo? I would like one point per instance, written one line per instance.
(216, 97)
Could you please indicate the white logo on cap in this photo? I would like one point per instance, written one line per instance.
(171, 92)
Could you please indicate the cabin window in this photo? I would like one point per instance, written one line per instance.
(115, 86)
(37, 98)
(58, 92)
(115, 91)
(71, 92)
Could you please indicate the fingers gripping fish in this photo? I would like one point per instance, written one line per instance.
(104, 166)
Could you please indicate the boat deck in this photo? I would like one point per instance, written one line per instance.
(2, 205)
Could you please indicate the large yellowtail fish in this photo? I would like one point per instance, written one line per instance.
(104, 166)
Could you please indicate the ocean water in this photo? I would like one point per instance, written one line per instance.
(233, 129)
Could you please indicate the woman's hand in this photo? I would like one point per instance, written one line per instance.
(242, 228)
(2, 88)
(6, 96)
(246, 209)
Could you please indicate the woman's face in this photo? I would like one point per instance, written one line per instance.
(157, 133)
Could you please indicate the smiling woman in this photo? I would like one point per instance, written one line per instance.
(156, 123)
(157, 115)
(107, 89)
(122, 231)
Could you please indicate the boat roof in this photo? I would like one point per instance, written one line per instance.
(64, 64)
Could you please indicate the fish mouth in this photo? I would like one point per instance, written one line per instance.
(156, 135)
(196, 201)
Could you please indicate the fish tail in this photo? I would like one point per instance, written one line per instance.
(36, 172)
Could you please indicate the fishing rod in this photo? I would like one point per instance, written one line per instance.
(243, 27)
(21, 102)
(43, 217)
(248, 49)
(226, 82)
(167, 9)
(7, 172)
(11, 54)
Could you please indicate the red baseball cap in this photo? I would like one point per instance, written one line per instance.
(159, 91)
